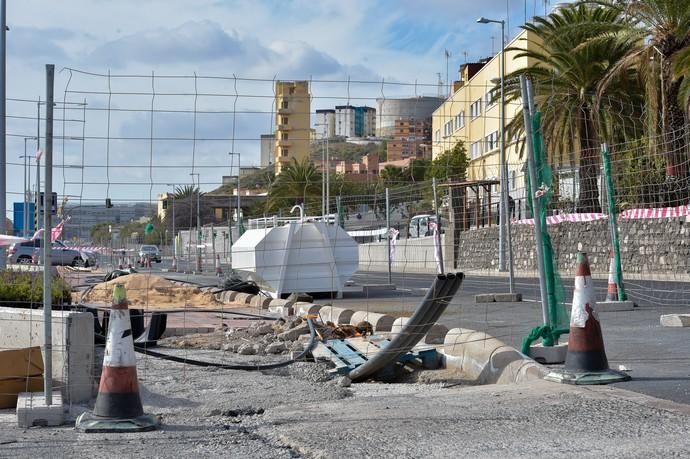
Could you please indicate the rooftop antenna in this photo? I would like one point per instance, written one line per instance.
(492, 45)
(440, 84)
(447, 54)
(465, 54)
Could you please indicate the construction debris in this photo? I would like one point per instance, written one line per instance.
(151, 291)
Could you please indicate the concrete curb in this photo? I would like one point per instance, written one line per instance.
(436, 334)
(336, 315)
(483, 359)
(675, 320)
(380, 322)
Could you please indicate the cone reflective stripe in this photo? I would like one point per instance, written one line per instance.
(118, 406)
(612, 291)
(585, 362)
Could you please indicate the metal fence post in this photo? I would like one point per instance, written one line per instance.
(47, 240)
(388, 235)
(615, 243)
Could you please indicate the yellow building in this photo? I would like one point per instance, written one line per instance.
(293, 132)
(472, 115)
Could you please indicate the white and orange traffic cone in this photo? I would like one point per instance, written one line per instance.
(612, 291)
(586, 361)
(118, 406)
(219, 270)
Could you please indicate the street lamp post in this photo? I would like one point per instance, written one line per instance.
(504, 216)
(239, 208)
(27, 188)
(198, 219)
(325, 194)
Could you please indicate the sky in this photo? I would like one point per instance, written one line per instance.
(142, 134)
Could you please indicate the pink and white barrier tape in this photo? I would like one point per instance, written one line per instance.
(630, 214)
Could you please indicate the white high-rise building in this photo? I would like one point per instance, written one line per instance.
(325, 124)
(353, 121)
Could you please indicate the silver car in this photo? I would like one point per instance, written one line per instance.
(61, 255)
(150, 251)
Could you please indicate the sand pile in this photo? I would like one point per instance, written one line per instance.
(152, 291)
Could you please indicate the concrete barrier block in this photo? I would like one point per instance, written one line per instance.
(435, 335)
(484, 359)
(243, 298)
(73, 346)
(284, 311)
(675, 320)
(302, 308)
(261, 302)
(380, 322)
(614, 306)
(507, 297)
(484, 298)
(229, 296)
(338, 316)
(548, 354)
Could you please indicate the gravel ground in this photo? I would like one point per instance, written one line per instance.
(300, 411)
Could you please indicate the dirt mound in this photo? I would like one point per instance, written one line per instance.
(152, 292)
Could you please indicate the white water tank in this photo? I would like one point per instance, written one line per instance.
(298, 257)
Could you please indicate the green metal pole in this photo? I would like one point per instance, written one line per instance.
(612, 221)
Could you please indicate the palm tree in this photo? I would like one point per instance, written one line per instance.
(662, 32)
(575, 48)
(298, 183)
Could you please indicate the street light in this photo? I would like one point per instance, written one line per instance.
(325, 194)
(504, 217)
(239, 208)
(198, 219)
(173, 220)
(27, 188)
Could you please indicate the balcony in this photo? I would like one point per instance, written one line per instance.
(283, 127)
(284, 143)
(285, 111)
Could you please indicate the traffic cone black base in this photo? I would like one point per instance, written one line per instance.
(586, 361)
(118, 406)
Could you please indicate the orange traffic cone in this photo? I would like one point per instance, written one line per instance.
(585, 362)
(612, 292)
(219, 271)
(118, 406)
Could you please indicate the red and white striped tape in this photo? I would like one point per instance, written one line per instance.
(630, 214)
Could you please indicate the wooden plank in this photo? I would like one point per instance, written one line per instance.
(323, 352)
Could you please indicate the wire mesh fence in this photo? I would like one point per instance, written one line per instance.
(176, 162)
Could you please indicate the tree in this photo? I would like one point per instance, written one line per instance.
(661, 30)
(298, 183)
(450, 165)
(392, 176)
(576, 48)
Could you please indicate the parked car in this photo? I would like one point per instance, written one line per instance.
(61, 255)
(151, 251)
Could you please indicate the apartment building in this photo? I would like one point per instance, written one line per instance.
(353, 121)
(325, 124)
(293, 129)
(411, 138)
(472, 115)
(267, 145)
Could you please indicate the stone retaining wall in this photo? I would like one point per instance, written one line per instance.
(660, 246)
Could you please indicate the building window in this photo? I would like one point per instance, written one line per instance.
(491, 141)
(284, 120)
(460, 120)
(437, 135)
(283, 135)
(283, 152)
(291, 91)
(476, 109)
(284, 104)
(476, 149)
(448, 128)
(491, 97)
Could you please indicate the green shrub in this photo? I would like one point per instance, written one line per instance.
(22, 289)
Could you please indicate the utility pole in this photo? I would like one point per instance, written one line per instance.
(3, 119)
